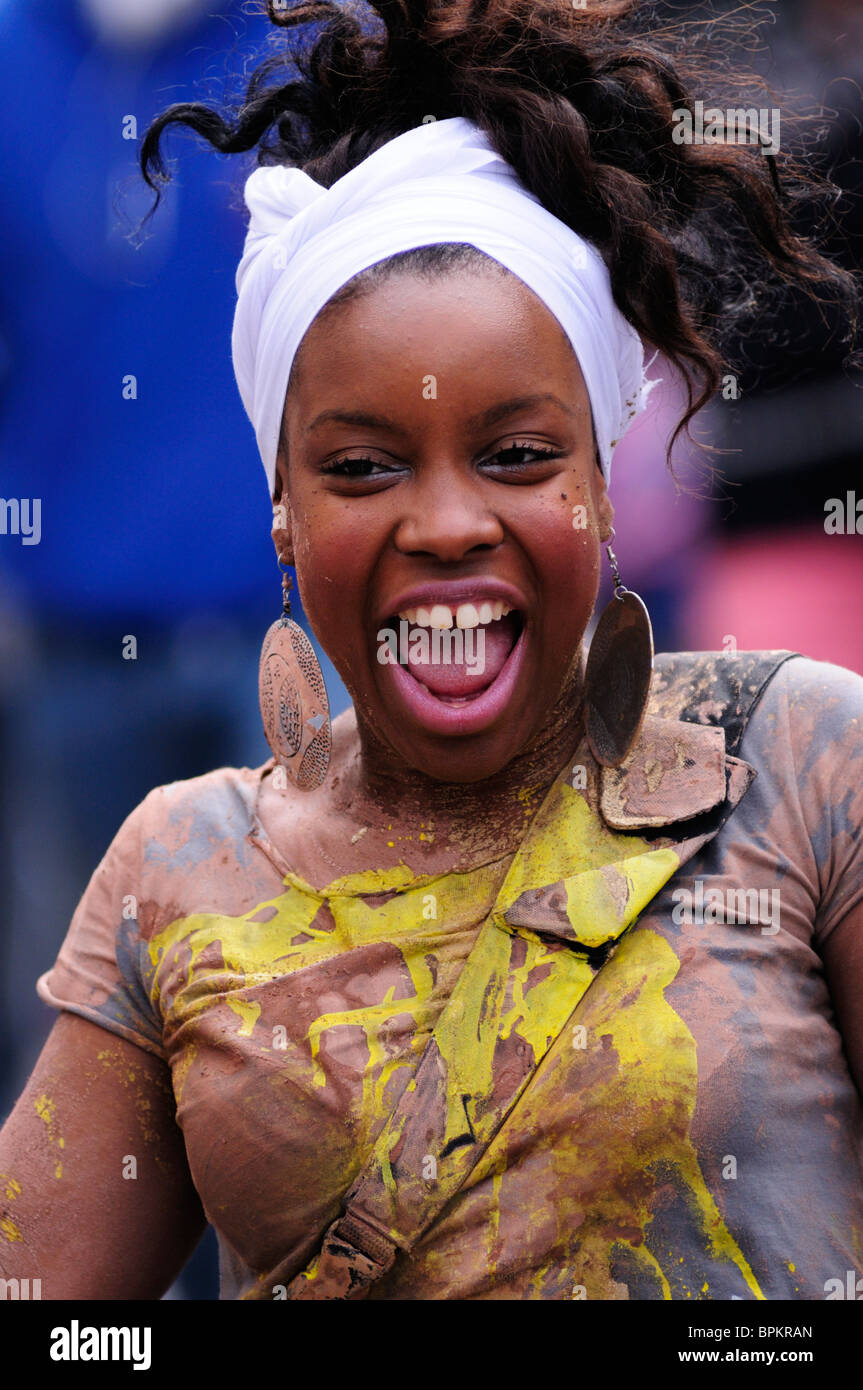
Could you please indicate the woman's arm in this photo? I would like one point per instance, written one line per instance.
(96, 1199)
(842, 954)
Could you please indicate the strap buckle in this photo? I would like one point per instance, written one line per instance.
(357, 1235)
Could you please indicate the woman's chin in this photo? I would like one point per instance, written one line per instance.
(474, 761)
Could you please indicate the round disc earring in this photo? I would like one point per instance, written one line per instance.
(295, 708)
(617, 677)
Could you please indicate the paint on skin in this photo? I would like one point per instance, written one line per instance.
(11, 1191)
(9, 1230)
(131, 1082)
(45, 1108)
(11, 1188)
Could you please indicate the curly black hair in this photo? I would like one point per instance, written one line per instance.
(579, 96)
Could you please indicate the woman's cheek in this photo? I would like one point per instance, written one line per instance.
(583, 545)
(569, 540)
(335, 614)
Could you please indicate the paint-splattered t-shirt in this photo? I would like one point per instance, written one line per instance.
(691, 1130)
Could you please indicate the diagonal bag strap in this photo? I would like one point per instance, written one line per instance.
(452, 1107)
(477, 1063)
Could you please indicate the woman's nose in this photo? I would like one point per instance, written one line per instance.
(447, 516)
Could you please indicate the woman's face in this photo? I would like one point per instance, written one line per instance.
(438, 469)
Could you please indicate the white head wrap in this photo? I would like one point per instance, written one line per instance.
(441, 181)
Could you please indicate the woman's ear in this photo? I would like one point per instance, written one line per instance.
(282, 520)
(599, 489)
(605, 514)
(601, 501)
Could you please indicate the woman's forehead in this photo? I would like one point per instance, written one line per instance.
(475, 322)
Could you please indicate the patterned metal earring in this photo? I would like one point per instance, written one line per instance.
(617, 678)
(294, 706)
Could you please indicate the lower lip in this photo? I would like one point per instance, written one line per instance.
(472, 716)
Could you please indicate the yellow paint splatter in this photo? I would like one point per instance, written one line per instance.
(12, 1188)
(249, 1012)
(131, 1081)
(649, 1073)
(256, 952)
(9, 1230)
(45, 1109)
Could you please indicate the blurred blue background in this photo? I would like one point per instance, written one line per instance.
(154, 513)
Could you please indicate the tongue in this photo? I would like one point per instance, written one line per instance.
(465, 663)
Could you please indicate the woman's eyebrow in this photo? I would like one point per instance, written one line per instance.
(356, 417)
(488, 417)
(510, 407)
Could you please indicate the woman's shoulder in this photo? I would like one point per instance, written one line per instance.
(822, 685)
(724, 687)
(817, 706)
(188, 847)
(796, 720)
(814, 710)
(798, 724)
(804, 738)
(806, 741)
(180, 825)
(224, 796)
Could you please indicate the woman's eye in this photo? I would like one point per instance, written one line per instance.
(510, 456)
(356, 468)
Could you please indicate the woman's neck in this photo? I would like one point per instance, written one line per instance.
(482, 818)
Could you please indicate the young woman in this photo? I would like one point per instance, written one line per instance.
(534, 977)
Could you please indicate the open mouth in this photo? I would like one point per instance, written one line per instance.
(454, 665)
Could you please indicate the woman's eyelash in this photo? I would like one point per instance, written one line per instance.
(525, 448)
(346, 467)
(350, 467)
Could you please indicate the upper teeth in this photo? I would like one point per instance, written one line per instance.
(464, 615)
